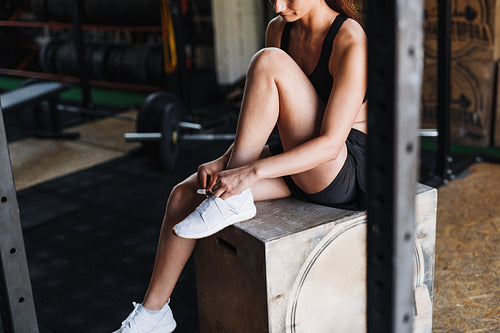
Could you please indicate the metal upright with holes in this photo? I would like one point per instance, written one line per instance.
(395, 63)
(443, 158)
(17, 309)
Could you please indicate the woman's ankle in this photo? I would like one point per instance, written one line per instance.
(153, 305)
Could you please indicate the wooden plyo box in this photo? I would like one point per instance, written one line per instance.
(299, 267)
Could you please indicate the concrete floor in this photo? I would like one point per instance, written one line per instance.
(35, 161)
(467, 271)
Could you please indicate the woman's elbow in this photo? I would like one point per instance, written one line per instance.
(331, 149)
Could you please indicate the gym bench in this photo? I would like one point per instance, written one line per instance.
(33, 95)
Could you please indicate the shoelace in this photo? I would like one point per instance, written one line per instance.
(132, 314)
(223, 210)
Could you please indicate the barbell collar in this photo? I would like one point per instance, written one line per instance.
(185, 124)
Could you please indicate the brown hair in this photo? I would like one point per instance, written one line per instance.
(349, 8)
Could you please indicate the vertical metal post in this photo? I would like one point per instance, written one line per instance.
(395, 63)
(443, 158)
(80, 53)
(184, 80)
(17, 308)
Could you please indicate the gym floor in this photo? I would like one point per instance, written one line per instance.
(91, 212)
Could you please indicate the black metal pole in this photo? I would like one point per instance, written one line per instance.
(183, 73)
(17, 308)
(80, 53)
(395, 66)
(443, 158)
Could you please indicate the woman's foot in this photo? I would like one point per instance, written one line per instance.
(214, 214)
(142, 320)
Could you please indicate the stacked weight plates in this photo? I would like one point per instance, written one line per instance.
(106, 12)
(120, 63)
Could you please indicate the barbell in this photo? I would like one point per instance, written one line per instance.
(160, 128)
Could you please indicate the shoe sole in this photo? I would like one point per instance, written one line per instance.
(164, 329)
(218, 227)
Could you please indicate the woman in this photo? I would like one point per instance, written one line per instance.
(310, 81)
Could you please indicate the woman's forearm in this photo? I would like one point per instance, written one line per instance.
(227, 155)
(304, 157)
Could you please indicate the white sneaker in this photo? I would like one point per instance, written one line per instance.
(214, 214)
(140, 322)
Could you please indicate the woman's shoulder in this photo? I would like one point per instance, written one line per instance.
(274, 30)
(351, 32)
(350, 44)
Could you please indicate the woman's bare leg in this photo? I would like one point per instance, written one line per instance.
(278, 92)
(172, 252)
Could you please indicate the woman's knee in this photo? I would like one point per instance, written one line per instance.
(267, 59)
(181, 200)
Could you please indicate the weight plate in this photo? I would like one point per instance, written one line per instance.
(114, 68)
(131, 63)
(66, 60)
(99, 61)
(46, 57)
(150, 115)
(169, 148)
(154, 65)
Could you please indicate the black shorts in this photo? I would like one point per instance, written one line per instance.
(348, 189)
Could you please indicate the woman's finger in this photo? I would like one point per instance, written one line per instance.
(213, 179)
(218, 191)
(202, 178)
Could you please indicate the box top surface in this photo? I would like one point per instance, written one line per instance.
(283, 217)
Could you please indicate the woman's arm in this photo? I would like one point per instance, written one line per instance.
(274, 31)
(208, 172)
(348, 66)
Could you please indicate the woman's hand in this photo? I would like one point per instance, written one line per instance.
(208, 173)
(234, 181)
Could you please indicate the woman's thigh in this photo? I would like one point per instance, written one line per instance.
(297, 107)
(300, 113)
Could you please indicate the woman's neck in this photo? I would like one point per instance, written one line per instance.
(318, 19)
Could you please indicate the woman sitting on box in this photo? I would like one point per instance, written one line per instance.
(310, 81)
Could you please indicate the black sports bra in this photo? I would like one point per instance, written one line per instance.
(320, 76)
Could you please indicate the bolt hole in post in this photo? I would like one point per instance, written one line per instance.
(4, 199)
(13, 251)
(409, 147)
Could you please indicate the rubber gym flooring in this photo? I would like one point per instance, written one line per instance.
(91, 235)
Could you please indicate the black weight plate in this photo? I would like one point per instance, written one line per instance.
(131, 63)
(142, 66)
(46, 57)
(66, 60)
(114, 68)
(99, 62)
(89, 51)
(151, 112)
(169, 148)
(154, 65)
